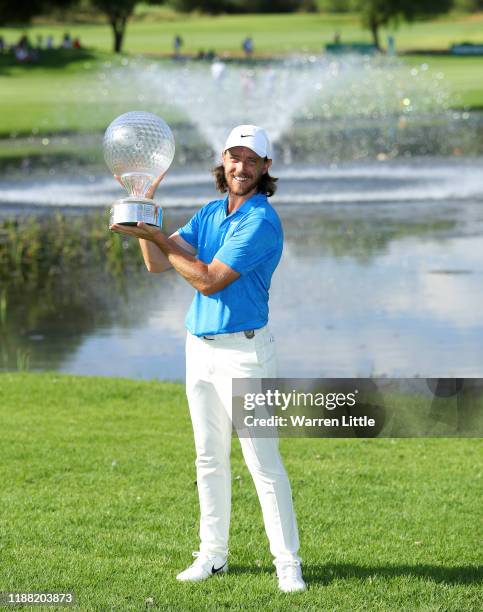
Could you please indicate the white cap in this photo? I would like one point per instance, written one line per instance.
(251, 136)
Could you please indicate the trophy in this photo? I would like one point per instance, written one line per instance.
(138, 147)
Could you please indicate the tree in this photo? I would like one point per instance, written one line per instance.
(118, 12)
(22, 11)
(378, 13)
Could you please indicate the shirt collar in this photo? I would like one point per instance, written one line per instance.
(255, 200)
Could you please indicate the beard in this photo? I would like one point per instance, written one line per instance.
(241, 188)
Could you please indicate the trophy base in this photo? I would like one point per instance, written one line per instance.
(132, 210)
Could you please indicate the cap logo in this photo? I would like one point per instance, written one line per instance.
(245, 135)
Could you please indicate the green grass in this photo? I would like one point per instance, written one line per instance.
(46, 100)
(462, 74)
(98, 497)
(64, 96)
(276, 33)
(63, 92)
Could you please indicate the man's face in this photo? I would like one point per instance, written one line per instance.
(243, 169)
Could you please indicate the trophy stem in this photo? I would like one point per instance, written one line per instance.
(137, 183)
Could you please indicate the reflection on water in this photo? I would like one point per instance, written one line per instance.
(411, 310)
(381, 274)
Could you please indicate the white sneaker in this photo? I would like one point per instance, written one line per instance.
(290, 576)
(203, 567)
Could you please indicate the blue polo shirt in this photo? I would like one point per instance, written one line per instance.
(250, 241)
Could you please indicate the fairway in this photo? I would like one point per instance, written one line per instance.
(153, 32)
(98, 497)
(65, 92)
(46, 100)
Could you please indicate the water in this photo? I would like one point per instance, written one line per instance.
(415, 179)
(381, 275)
(380, 195)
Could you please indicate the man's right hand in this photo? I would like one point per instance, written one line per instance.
(140, 230)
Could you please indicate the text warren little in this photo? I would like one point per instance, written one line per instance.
(303, 421)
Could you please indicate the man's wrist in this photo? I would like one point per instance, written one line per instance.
(159, 240)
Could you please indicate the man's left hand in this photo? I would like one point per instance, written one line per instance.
(141, 230)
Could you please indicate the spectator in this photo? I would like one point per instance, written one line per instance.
(23, 50)
(247, 46)
(21, 54)
(177, 44)
(391, 45)
(76, 44)
(50, 42)
(39, 39)
(23, 42)
(67, 41)
(2, 44)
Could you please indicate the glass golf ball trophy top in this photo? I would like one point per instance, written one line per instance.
(139, 148)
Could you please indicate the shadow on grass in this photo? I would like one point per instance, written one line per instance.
(47, 58)
(325, 574)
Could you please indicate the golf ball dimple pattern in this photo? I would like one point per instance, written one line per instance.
(138, 141)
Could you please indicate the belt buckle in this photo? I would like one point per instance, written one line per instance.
(249, 333)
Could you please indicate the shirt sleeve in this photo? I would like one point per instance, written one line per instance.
(189, 232)
(250, 245)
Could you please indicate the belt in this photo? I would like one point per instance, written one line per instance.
(248, 333)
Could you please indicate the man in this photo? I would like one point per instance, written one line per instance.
(228, 252)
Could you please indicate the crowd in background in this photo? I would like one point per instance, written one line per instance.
(247, 46)
(26, 51)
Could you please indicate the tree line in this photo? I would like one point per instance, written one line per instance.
(374, 13)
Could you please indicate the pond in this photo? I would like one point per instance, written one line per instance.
(381, 275)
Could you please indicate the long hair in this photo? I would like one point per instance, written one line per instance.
(266, 184)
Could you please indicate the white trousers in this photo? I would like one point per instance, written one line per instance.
(210, 367)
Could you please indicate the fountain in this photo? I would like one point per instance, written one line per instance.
(321, 112)
(380, 195)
